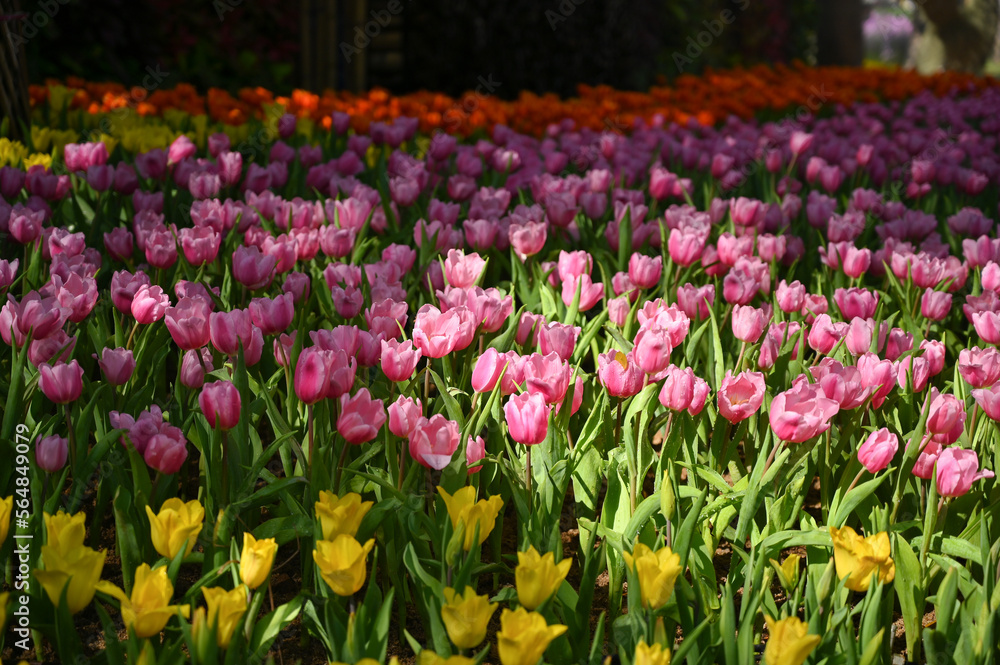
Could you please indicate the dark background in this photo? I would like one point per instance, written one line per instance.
(442, 45)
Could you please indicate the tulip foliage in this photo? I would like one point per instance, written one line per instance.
(687, 393)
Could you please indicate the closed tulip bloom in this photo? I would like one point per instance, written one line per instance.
(6, 507)
(74, 571)
(878, 450)
(273, 315)
(988, 400)
(527, 417)
(651, 655)
(858, 339)
(801, 413)
(340, 515)
(538, 577)
(252, 268)
(748, 323)
(148, 609)
(466, 617)
(859, 558)
(487, 370)
(225, 610)
(117, 365)
(475, 515)
(188, 323)
(946, 411)
(657, 573)
(433, 441)
(50, 454)
(548, 376)
(220, 402)
(740, 396)
(957, 469)
(463, 270)
(619, 373)
(149, 304)
(645, 271)
(935, 305)
(788, 642)
(361, 417)
(403, 416)
(342, 563)
(824, 333)
(312, 375)
(590, 293)
(475, 451)
(342, 372)
(652, 349)
(176, 526)
(192, 370)
(987, 325)
(62, 383)
(979, 368)
(528, 238)
(557, 338)
(524, 636)
(399, 359)
(256, 559)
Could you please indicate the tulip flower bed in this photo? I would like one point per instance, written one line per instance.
(687, 393)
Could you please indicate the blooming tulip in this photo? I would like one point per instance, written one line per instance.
(466, 617)
(957, 469)
(148, 609)
(859, 558)
(403, 416)
(878, 450)
(225, 610)
(117, 365)
(176, 526)
(475, 515)
(740, 396)
(62, 383)
(801, 413)
(148, 304)
(789, 641)
(434, 441)
(527, 417)
(341, 563)
(361, 417)
(524, 636)
(619, 373)
(538, 577)
(220, 403)
(188, 323)
(656, 654)
(399, 359)
(340, 515)
(656, 571)
(748, 323)
(256, 559)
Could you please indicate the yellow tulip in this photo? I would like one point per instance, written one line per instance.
(657, 572)
(858, 558)
(463, 507)
(64, 531)
(524, 636)
(650, 655)
(149, 608)
(6, 508)
(428, 657)
(538, 577)
(4, 599)
(256, 559)
(788, 642)
(788, 571)
(342, 563)
(78, 567)
(225, 609)
(466, 616)
(339, 515)
(176, 523)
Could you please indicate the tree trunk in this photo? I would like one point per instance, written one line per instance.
(959, 35)
(839, 36)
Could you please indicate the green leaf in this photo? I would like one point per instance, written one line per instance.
(266, 630)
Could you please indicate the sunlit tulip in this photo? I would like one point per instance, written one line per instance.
(225, 610)
(256, 559)
(463, 508)
(466, 617)
(859, 558)
(538, 577)
(342, 563)
(656, 654)
(340, 515)
(524, 636)
(176, 526)
(656, 571)
(788, 642)
(148, 609)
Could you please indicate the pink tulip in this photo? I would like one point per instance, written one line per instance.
(361, 417)
(740, 396)
(739, 286)
(487, 370)
(590, 293)
(437, 334)
(227, 330)
(124, 286)
(957, 469)
(791, 297)
(801, 413)
(252, 268)
(342, 369)
(399, 359)
(51, 453)
(283, 345)
(696, 302)
(475, 452)
(548, 376)
(652, 349)
(814, 305)
(946, 412)
(200, 245)
(682, 390)
(56, 347)
(913, 373)
(220, 403)
(166, 453)
(686, 245)
(527, 417)
(188, 323)
(193, 369)
(62, 383)
(463, 270)
(748, 323)
(434, 441)
(934, 355)
(987, 325)
(557, 338)
(843, 385)
(312, 375)
(644, 271)
(403, 416)
(527, 327)
(117, 365)
(935, 305)
(618, 310)
(149, 304)
(979, 368)
(298, 285)
(273, 316)
(619, 373)
(878, 450)
(527, 238)
(859, 336)
(855, 302)
(898, 342)
(824, 334)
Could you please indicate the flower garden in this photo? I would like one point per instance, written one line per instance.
(707, 374)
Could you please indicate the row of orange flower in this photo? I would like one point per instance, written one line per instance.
(709, 98)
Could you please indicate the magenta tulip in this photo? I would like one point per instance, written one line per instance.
(619, 373)
(188, 323)
(433, 441)
(117, 365)
(399, 359)
(527, 417)
(801, 413)
(403, 416)
(878, 450)
(62, 383)
(748, 323)
(487, 370)
(51, 453)
(475, 452)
